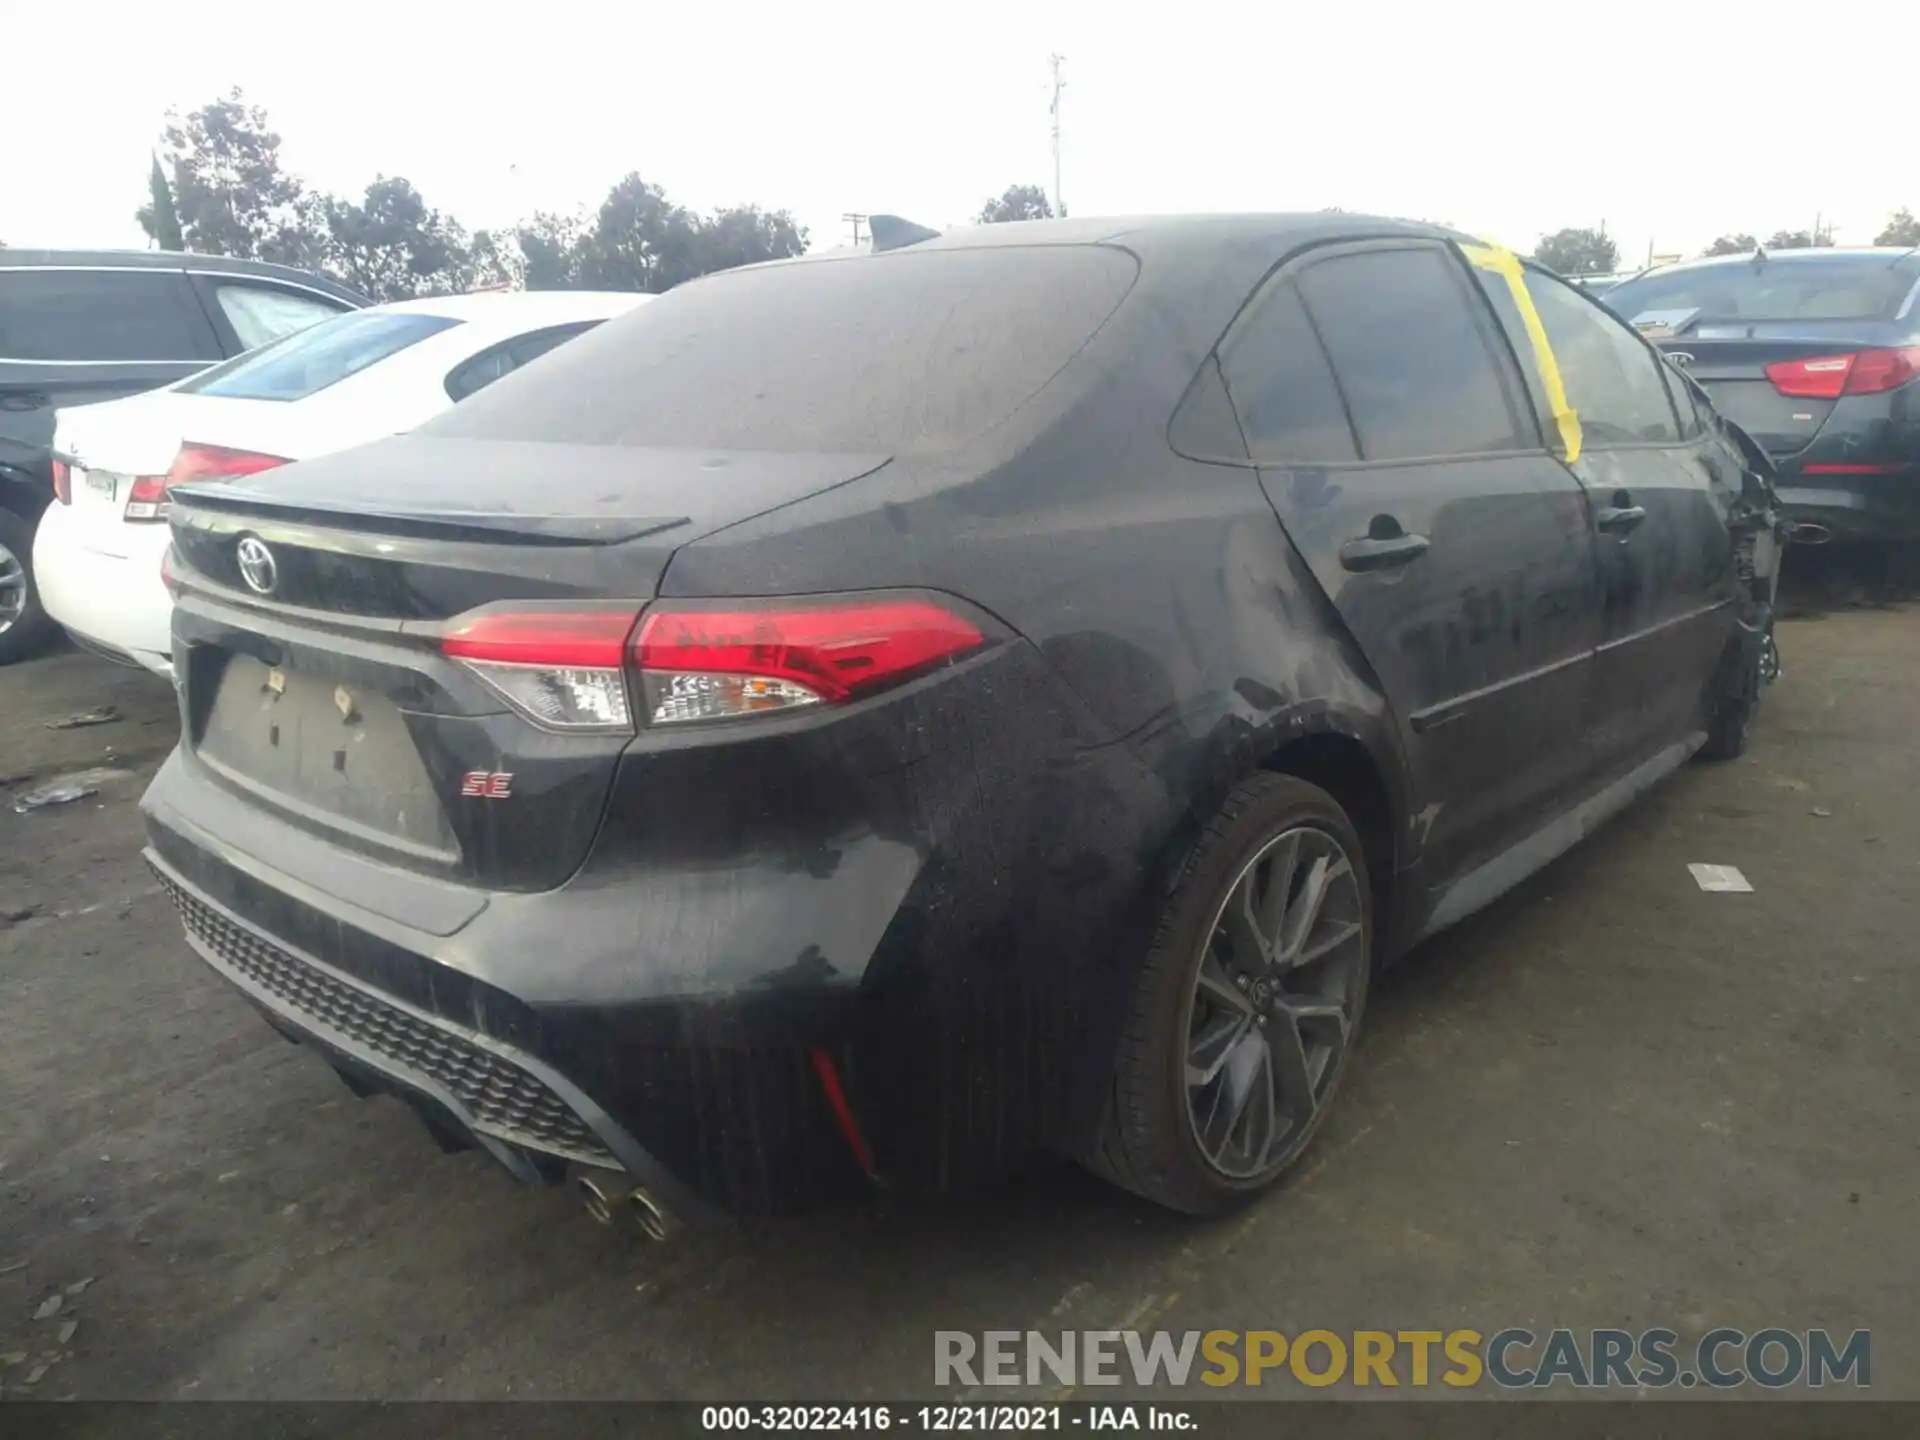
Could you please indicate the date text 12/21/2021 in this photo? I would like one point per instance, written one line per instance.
(944, 1419)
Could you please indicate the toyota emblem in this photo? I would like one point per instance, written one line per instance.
(257, 565)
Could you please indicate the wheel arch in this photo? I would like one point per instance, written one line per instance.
(22, 495)
(1342, 764)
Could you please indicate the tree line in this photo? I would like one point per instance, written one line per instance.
(1578, 250)
(216, 186)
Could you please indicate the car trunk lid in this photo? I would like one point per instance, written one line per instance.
(1734, 373)
(315, 683)
(1730, 360)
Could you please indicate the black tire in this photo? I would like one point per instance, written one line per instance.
(1728, 730)
(1736, 699)
(1150, 1141)
(26, 632)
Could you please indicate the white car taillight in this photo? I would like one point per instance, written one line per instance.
(147, 497)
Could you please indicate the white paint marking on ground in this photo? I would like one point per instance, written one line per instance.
(1720, 877)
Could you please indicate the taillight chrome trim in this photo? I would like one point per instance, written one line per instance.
(497, 676)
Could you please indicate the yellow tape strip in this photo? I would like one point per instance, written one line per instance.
(1504, 263)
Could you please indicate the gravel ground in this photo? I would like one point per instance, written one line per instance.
(1612, 1099)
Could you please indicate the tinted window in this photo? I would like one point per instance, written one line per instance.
(531, 347)
(102, 315)
(489, 365)
(911, 350)
(310, 360)
(1519, 345)
(1282, 387)
(1836, 287)
(260, 314)
(1416, 365)
(1612, 377)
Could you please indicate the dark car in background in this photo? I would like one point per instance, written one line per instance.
(877, 716)
(1816, 354)
(80, 326)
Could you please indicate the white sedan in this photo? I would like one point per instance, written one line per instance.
(354, 378)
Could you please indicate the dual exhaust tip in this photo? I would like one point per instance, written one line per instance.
(615, 1201)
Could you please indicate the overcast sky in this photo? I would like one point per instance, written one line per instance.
(1671, 122)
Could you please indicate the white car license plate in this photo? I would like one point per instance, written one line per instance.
(102, 484)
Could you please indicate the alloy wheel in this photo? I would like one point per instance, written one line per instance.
(13, 589)
(1274, 1003)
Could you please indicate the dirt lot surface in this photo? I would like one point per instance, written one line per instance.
(1610, 1100)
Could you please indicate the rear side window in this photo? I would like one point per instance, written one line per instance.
(102, 316)
(489, 365)
(310, 360)
(1415, 361)
(1613, 379)
(260, 315)
(1836, 287)
(875, 354)
(1282, 387)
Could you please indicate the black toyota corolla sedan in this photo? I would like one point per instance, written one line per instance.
(872, 717)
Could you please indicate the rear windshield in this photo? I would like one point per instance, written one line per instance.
(1840, 287)
(308, 361)
(875, 354)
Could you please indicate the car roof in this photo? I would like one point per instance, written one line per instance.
(1148, 232)
(1799, 255)
(521, 308)
(12, 259)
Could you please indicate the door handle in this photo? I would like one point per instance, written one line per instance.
(1619, 519)
(1622, 516)
(1382, 552)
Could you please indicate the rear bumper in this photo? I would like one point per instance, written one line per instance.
(387, 1006)
(954, 932)
(507, 1101)
(1854, 507)
(107, 593)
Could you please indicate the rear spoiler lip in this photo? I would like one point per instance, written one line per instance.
(499, 527)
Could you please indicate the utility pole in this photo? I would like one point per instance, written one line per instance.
(1059, 205)
(855, 218)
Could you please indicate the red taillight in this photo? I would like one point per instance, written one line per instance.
(563, 636)
(63, 482)
(1822, 378)
(1828, 377)
(561, 665)
(1877, 370)
(564, 665)
(708, 663)
(147, 499)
